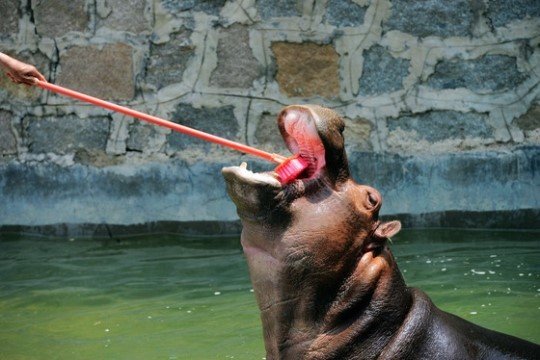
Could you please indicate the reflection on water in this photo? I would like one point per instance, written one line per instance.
(172, 297)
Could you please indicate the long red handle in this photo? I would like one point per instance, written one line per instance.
(161, 122)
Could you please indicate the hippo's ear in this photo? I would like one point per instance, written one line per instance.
(387, 230)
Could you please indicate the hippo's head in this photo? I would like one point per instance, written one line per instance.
(314, 246)
(314, 132)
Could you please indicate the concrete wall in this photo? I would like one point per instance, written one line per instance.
(441, 101)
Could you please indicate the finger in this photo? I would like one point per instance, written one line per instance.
(13, 78)
(38, 76)
(41, 77)
(30, 80)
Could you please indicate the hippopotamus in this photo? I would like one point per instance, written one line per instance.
(325, 280)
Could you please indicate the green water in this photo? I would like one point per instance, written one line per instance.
(172, 297)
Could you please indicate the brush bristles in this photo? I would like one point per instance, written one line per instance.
(291, 168)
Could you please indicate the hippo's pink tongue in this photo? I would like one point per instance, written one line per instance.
(301, 137)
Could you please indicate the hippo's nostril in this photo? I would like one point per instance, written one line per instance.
(373, 201)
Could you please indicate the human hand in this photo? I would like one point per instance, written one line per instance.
(19, 72)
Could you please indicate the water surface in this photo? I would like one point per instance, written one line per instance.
(174, 297)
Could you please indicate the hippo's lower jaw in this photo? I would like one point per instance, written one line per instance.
(251, 178)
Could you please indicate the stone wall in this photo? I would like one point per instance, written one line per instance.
(441, 101)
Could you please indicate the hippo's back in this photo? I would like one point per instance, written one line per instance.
(450, 337)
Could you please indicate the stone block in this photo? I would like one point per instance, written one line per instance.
(267, 135)
(236, 65)
(344, 13)
(168, 61)
(440, 125)
(8, 139)
(269, 9)
(358, 134)
(10, 17)
(145, 138)
(307, 69)
(124, 15)
(529, 123)
(96, 158)
(485, 74)
(104, 73)
(209, 7)
(530, 120)
(55, 18)
(502, 12)
(431, 17)
(216, 121)
(66, 134)
(382, 73)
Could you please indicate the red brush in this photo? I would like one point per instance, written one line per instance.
(288, 170)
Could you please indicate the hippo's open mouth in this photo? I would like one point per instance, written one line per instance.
(298, 128)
